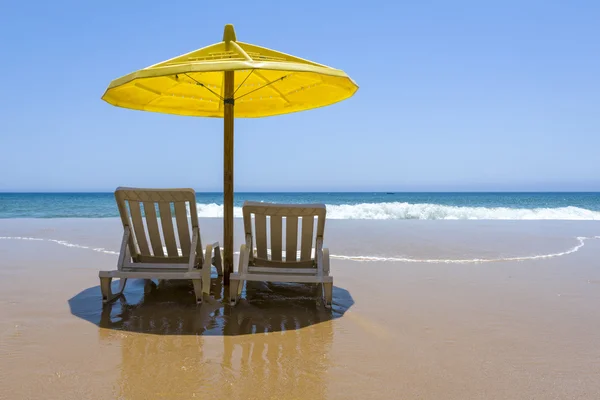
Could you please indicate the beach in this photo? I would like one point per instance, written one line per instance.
(448, 151)
(421, 310)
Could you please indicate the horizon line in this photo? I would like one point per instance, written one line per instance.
(319, 191)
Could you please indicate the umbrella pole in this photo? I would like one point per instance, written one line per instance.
(228, 177)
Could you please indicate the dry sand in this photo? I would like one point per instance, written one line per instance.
(398, 330)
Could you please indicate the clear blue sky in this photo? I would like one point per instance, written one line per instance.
(454, 95)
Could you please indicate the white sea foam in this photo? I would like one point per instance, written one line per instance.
(397, 210)
(580, 243)
(216, 211)
(62, 243)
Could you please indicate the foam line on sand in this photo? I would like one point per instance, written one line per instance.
(580, 243)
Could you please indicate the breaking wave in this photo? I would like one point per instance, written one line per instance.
(398, 210)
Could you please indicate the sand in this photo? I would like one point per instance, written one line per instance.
(525, 329)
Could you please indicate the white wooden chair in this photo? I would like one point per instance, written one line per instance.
(267, 263)
(181, 256)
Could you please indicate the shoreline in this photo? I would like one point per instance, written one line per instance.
(400, 241)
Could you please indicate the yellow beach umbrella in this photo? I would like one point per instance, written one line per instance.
(228, 79)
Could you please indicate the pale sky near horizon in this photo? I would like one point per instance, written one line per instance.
(454, 96)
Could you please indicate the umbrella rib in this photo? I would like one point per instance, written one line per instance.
(279, 92)
(146, 88)
(176, 79)
(245, 79)
(268, 84)
(307, 87)
(205, 87)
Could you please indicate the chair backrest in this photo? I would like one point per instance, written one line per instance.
(284, 220)
(149, 240)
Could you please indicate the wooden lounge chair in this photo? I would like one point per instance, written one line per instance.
(149, 259)
(263, 264)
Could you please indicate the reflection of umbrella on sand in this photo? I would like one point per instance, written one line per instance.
(226, 76)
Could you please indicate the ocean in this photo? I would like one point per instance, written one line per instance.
(365, 205)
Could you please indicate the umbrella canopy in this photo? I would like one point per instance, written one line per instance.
(267, 83)
(226, 79)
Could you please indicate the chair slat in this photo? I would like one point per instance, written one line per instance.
(153, 232)
(291, 238)
(183, 228)
(308, 224)
(166, 220)
(276, 237)
(260, 221)
(138, 227)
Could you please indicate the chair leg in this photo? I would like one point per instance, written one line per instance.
(198, 290)
(149, 285)
(328, 294)
(235, 289)
(122, 283)
(319, 292)
(206, 286)
(106, 289)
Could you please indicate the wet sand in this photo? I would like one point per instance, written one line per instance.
(402, 330)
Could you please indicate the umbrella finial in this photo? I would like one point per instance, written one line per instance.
(229, 34)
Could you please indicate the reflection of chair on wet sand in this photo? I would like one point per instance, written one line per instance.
(139, 260)
(162, 312)
(293, 363)
(268, 264)
(271, 348)
(276, 346)
(276, 308)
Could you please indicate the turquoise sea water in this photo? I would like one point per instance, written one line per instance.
(509, 206)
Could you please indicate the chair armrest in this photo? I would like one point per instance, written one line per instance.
(194, 245)
(244, 259)
(326, 264)
(210, 249)
(124, 253)
(208, 255)
(249, 246)
(322, 258)
(208, 261)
